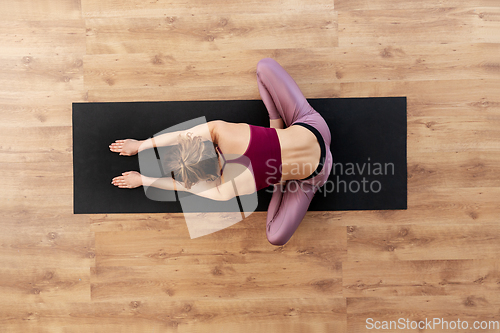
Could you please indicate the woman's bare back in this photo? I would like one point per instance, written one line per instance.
(300, 150)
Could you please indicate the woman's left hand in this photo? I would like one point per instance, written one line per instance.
(129, 179)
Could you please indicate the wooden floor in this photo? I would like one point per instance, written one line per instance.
(439, 259)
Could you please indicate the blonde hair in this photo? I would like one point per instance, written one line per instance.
(192, 160)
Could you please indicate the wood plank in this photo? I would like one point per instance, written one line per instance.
(452, 169)
(416, 26)
(414, 62)
(315, 241)
(423, 242)
(54, 249)
(420, 278)
(205, 33)
(435, 97)
(427, 207)
(298, 315)
(202, 76)
(171, 9)
(42, 38)
(348, 5)
(41, 55)
(47, 317)
(235, 281)
(453, 134)
(40, 10)
(39, 179)
(45, 285)
(38, 108)
(37, 144)
(30, 73)
(57, 219)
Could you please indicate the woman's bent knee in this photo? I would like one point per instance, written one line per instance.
(278, 239)
(265, 65)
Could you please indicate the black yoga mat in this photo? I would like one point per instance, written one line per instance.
(368, 147)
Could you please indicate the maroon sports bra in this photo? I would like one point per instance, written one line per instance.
(262, 157)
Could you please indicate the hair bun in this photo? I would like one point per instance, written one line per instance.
(192, 160)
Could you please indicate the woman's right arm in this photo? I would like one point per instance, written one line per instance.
(207, 131)
(242, 184)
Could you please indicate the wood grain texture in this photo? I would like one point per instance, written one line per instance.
(171, 8)
(98, 273)
(430, 242)
(40, 10)
(246, 246)
(193, 315)
(442, 25)
(420, 278)
(209, 33)
(215, 281)
(352, 5)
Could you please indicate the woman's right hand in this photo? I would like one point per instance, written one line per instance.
(130, 179)
(126, 147)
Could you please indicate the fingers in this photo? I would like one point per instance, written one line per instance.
(117, 146)
(118, 142)
(120, 181)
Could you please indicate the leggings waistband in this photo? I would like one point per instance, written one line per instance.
(322, 146)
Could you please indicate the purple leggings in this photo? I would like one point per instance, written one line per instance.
(283, 99)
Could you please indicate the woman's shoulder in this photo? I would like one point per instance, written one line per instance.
(217, 127)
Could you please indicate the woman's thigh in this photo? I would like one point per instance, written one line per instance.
(280, 93)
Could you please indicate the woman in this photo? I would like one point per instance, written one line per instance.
(293, 155)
